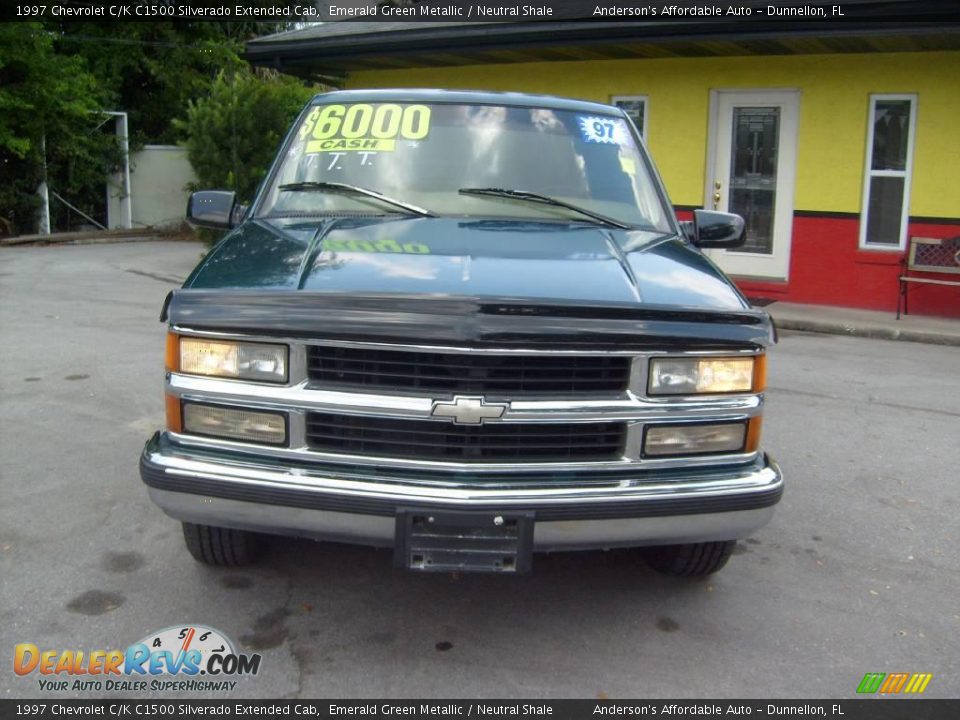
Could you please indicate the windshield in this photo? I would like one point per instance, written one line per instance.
(423, 155)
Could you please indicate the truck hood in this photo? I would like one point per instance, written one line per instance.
(455, 257)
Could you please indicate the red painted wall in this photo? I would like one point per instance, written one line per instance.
(828, 268)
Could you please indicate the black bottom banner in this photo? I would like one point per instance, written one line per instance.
(878, 708)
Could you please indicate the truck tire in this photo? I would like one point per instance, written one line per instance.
(220, 546)
(692, 560)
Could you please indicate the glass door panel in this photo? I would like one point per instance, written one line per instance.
(753, 136)
(753, 173)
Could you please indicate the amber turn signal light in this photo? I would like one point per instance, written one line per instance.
(754, 426)
(759, 373)
(174, 420)
(173, 352)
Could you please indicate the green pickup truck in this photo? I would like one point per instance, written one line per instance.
(467, 326)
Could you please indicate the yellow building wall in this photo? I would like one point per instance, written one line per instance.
(833, 113)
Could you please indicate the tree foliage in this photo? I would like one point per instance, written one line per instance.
(46, 99)
(57, 77)
(232, 134)
(151, 69)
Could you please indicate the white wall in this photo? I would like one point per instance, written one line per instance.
(158, 175)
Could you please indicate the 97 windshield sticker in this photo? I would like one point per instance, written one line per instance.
(363, 127)
(595, 129)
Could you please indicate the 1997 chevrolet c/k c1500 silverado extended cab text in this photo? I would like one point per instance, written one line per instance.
(468, 326)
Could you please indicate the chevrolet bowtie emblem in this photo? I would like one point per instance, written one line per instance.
(468, 410)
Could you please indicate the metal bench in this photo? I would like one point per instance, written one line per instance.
(931, 255)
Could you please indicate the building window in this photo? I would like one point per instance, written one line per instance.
(636, 108)
(886, 183)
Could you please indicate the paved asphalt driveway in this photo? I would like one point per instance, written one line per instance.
(858, 572)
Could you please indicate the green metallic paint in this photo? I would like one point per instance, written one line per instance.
(485, 258)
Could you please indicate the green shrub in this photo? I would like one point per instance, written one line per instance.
(232, 135)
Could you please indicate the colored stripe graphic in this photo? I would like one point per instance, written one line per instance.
(918, 683)
(871, 682)
(894, 683)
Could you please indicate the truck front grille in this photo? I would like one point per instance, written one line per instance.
(433, 372)
(490, 442)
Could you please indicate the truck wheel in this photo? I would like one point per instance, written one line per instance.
(693, 560)
(220, 546)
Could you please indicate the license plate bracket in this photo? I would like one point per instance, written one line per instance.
(492, 542)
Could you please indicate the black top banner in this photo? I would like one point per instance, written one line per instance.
(879, 708)
(488, 11)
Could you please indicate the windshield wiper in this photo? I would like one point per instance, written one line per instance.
(345, 189)
(542, 200)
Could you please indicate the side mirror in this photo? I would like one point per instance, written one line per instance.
(213, 209)
(717, 230)
(239, 211)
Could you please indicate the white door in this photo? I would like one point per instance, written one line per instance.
(753, 150)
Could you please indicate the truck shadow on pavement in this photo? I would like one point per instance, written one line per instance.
(342, 599)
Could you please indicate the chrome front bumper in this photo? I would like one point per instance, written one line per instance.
(340, 504)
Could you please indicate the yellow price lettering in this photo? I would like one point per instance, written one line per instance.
(386, 121)
(328, 122)
(416, 122)
(361, 120)
(308, 123)
(356, 123)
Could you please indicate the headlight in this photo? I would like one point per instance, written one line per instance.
(699, 439)
(234, 423)
(694, 376)
(222, 358)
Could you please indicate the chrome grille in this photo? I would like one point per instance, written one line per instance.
(482, 373)
(490, 442)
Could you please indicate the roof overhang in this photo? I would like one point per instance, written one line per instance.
(330, 50)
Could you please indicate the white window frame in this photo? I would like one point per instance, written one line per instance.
(645, 99)
(869, 173)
